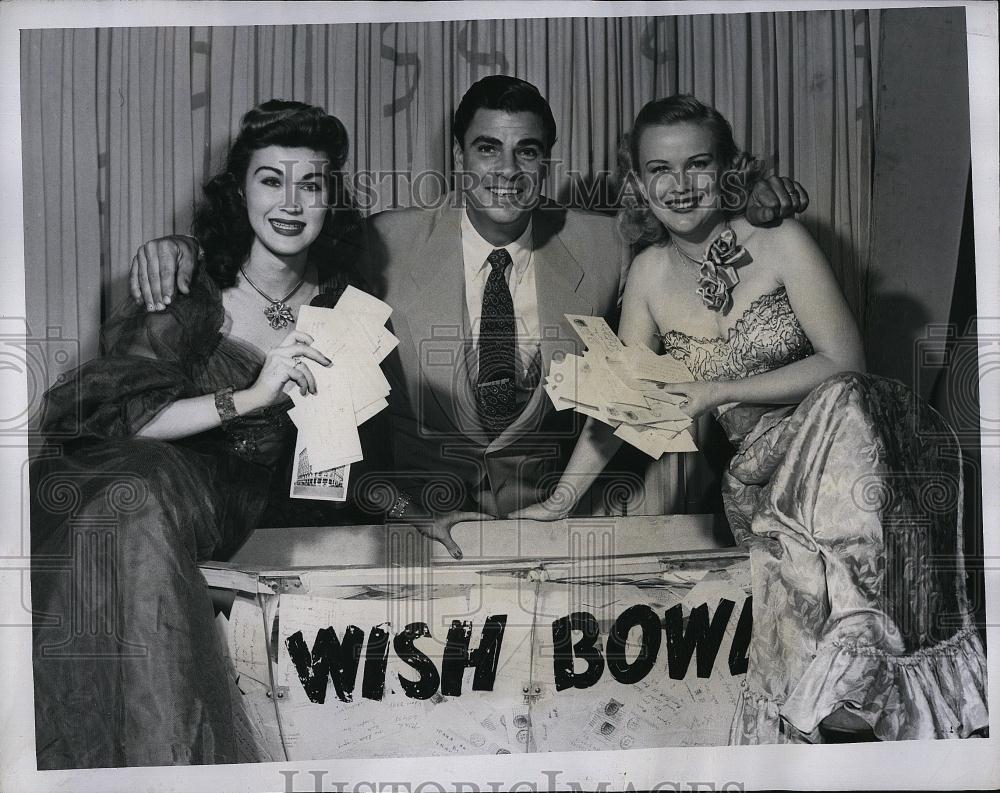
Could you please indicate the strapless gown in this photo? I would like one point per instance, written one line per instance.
(851, 506)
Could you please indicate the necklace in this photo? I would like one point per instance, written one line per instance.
(705, 253)
(683, 253)
(278, 314)
(717, 274)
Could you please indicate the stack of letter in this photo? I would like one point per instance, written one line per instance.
(348, 392)
(622, 386)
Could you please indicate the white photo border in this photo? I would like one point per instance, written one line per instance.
(931, 765)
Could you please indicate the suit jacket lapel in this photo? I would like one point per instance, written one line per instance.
(558, 276)
(436, 314)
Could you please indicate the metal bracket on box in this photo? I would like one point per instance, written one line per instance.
(283, 583)
(531, 691)
(282, 692)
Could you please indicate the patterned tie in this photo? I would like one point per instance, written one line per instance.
(497, 349)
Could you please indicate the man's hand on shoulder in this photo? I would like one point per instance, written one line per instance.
(774, 198)
(158, 267)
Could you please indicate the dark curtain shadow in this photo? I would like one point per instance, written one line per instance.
(890, 321)
(889, 343)
(955, 394)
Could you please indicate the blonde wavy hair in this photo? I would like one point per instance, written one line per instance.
(636, 221)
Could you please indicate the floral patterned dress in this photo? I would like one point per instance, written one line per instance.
(850, 505)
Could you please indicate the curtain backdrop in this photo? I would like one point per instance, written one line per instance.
(121, 126)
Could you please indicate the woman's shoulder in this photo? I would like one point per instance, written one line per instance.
(202, 304)
(777, 246)
(650, 270)
(188, 322)
(649, 262)
(788, 232)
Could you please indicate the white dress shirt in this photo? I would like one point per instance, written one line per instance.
(520, 280)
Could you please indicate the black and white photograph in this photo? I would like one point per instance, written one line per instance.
(500, 396)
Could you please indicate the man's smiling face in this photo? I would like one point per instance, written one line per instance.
(503, 158)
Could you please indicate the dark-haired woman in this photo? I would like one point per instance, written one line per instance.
(178, 442)
(852, 518)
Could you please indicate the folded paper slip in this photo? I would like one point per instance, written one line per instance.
(655, 442)
(623, 387)
(351, 390)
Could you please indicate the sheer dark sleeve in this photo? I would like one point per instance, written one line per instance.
(147, 362)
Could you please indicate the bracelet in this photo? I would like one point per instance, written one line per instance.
(225, 406)
(399, 506)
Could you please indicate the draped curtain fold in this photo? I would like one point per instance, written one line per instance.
(121, 126)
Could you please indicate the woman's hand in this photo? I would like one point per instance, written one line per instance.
(285, 363)
(699, 396)
(544, 510)
(557, 506)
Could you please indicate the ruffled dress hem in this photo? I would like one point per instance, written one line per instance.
(935, 692)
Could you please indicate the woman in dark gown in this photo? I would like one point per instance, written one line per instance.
(845, 489)
(168, 450)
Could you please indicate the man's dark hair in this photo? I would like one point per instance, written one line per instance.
(506, 93)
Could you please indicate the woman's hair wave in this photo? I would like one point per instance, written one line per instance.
(221, 224)
(739, 169)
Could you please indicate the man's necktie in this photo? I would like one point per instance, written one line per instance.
(497, 349)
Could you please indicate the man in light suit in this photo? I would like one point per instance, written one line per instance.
(479, 288)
